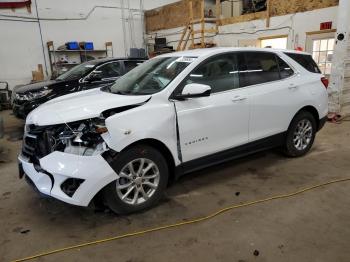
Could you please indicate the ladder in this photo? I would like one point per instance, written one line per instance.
(189, 32)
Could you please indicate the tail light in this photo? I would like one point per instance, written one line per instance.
(325, 82)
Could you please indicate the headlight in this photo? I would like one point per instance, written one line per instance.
(86, 132)
(34, 94)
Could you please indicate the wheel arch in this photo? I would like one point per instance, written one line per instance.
(164, 150)
(97, 200)
(311, 109)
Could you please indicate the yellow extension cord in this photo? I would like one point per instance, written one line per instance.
(179, 224)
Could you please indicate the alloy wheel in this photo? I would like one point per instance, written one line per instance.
(303, 134)
(138, 180)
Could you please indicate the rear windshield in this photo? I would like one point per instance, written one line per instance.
(305, 61)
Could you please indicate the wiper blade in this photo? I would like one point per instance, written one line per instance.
(106, 89)
(121, 93)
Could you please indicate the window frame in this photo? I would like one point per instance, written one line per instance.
(126, 61)
(110, 62)
(180, 86)
(279, 68)
(265, 52)
(276, 54)
(299, 64)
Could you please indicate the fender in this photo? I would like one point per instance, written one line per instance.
(151, 121)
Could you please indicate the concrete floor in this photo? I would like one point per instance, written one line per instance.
(314, 226)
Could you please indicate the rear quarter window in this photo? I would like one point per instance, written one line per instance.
(305, 61)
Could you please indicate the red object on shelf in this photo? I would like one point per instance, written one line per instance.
(326, 25)
(15, 4)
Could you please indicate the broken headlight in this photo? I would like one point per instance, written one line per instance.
(84, 137)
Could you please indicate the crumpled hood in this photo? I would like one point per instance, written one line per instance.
(79, 106)
(34, 86)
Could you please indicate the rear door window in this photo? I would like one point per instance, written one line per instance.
(285, 70)
(257, 68)
(305, 61)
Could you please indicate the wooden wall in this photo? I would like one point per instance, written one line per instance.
(171, 16)
(176, 14)
(283, 7)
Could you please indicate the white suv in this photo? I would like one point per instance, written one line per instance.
(171, 115)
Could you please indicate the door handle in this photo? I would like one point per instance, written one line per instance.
(238, 98)
(292, 86)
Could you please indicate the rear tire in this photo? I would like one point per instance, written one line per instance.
(300, 135)
(142, 178)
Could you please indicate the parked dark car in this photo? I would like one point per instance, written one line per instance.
(92, 74)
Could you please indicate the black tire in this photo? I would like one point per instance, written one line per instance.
(290, 149)
(111, 197)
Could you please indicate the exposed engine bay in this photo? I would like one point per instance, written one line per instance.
(80, 138)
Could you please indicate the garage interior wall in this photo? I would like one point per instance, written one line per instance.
(239, 34)
(98, 21)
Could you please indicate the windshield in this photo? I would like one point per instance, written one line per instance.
(77, 71)
(151, 76)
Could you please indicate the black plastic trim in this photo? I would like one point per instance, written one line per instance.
(232, 153)
(38, 168)
(21, 173)
(71, 185)
(109, 112)
(182, 97)
(32, 185)
(109, 157)
(321, 123)
(178, 141)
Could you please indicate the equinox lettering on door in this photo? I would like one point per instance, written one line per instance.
(196, 141)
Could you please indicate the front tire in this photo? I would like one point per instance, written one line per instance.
(142, 178)
(300, 135)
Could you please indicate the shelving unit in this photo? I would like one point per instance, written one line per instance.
(63, 60)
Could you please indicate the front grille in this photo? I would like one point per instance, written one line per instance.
(19, 102)
(37, 142)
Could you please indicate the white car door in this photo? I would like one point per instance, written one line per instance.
(208, 125)
(273, 92)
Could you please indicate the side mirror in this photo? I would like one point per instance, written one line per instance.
(95, 76)
(193, 91)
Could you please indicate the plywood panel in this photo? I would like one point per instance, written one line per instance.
(177, 14)
(243, 18)
(283, 7)
(171, 16)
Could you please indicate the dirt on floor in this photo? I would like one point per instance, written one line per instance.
(314, 226)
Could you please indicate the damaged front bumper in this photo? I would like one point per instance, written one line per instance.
(74, 179)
